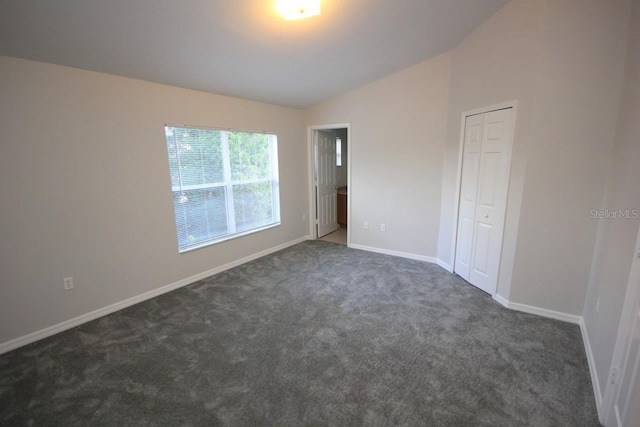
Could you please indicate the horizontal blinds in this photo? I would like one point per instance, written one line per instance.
(224, 183)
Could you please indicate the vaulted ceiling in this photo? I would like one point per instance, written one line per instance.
(240, 48)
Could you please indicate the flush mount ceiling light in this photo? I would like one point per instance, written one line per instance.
(298, 9)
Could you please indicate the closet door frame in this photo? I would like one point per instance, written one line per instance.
(514, 106)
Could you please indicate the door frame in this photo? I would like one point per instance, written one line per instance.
(612, 389)
(311, 145)
(456, 207)
(326, 220)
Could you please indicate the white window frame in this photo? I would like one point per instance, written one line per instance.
(228, 184)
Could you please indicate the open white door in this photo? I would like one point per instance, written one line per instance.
(483, 197)
(326, 183)
(623, 392)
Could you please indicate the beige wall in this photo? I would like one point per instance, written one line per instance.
(397, 141)
(577, 96)
(84, 184)
(562, 61)
(495, 64)
(84, 179)
(616, 237)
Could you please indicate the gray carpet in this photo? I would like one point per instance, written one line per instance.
(317, 334)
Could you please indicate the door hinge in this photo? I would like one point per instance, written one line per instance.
(614, 375)
(317, 221)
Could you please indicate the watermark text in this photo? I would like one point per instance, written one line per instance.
(614, 213)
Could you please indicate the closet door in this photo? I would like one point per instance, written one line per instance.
(483, 197)
(468, 194)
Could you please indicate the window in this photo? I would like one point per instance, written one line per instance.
(338, 151)
(224, 184)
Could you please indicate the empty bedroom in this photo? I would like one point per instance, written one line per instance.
(342, 213)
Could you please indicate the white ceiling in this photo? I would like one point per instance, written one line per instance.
(240, 48)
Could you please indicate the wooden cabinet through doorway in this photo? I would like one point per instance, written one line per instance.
(342, 209)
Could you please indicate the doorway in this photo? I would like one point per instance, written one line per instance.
(486, 145)
(329, 160)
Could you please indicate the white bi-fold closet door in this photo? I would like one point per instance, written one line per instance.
(488, 138)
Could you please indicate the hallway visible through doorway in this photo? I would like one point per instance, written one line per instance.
(339, 236)
(329, 160)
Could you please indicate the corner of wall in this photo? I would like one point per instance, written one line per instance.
(595, 382)
(570, 318)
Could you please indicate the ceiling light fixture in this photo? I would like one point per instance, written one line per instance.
(298, 9)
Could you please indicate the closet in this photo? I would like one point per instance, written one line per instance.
(484, 178)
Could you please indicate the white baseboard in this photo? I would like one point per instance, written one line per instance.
(578, 320)
(558, 315)
(592, 369)
(444, 265)
(77, 321)
(502, 300)
(395, 253)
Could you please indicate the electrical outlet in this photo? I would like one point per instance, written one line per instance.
(383, 227)
(68, 283)
(366, 225)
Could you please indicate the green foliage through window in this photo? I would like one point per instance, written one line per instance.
(224, 183)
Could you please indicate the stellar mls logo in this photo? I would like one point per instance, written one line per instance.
(614, 214)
